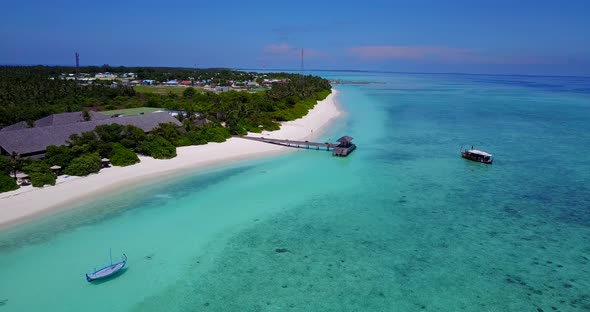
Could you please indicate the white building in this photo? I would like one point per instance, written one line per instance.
(105, 75)
(130, 75)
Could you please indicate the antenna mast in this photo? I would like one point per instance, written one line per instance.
(301, 62)
(77, 65)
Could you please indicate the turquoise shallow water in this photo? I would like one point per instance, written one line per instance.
(404, 224)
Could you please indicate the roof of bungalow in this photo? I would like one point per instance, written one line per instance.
(344, 139)
(56, 120)
(36, 140)
(17, 126)
(202, 122)
(67, 118)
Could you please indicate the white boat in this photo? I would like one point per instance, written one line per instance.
(107, 271)
(478, 156)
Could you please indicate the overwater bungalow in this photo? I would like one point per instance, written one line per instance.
(344, 147)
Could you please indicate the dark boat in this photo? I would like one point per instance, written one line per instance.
(107, 271)
(478, 156)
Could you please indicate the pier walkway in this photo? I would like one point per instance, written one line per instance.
(341, 149)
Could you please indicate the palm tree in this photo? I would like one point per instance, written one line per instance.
(15, 162)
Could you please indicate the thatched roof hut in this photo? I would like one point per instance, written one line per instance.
(345, 139)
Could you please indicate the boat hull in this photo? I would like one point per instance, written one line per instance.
(106, 271)
(475, 158)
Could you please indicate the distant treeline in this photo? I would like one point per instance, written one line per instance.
(28, 93)
(154, 73)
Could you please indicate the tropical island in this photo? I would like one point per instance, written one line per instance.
(58, 126)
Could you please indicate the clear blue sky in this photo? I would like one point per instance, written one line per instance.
(522, 37)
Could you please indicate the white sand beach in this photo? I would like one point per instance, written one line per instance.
(29, 202)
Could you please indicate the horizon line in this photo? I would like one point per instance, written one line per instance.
(314, 70)
(415, 73)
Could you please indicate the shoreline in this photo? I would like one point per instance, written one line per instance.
(28, 203)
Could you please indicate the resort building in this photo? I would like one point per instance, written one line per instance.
(68, 118)
(56, 120)
(56, 130)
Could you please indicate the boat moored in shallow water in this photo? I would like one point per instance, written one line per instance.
(477, 155)
(107, 271)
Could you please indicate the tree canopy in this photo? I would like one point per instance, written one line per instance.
(33, 92)
(7, 183)
(122, 156)
(84, 165)
(30, 93)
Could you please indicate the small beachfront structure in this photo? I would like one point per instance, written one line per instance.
(344, 147)
(56, 170)
(105, 163)
(22, 178)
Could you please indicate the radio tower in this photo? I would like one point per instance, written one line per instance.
(77, 65)
(301, 61)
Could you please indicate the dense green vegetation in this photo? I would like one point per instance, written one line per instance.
(122, 156)
(7, 183)
(40, 173)
(30, 93)
(5, 167)
(39, 179)
(59, 155)
(84, 165)
(157, 147)
(121, 144)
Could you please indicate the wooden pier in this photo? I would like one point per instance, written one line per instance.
(342, 148)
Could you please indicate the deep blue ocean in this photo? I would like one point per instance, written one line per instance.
(403, 224)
